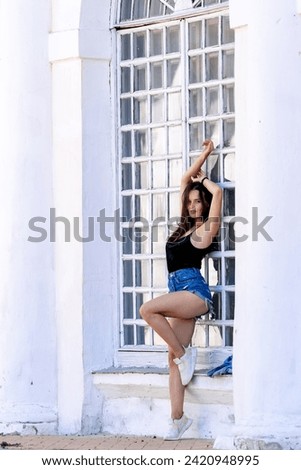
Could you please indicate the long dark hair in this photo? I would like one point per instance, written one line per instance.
(186, 222)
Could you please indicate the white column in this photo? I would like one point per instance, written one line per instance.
(27, 332)
(267, 346)
(80, 53)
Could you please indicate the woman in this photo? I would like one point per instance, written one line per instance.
(173, 315)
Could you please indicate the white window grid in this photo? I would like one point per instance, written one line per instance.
(158, 196)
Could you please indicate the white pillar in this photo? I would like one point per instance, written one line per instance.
(267, 346)
(27, 333)
(80, 53)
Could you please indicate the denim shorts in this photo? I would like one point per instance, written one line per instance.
(191, 280)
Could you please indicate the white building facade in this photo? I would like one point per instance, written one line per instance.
(103, 105)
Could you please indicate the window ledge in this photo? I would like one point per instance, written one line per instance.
(152, 382)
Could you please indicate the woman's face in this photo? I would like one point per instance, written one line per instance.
(195, 205)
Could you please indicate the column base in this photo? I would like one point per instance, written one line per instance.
(245, 441)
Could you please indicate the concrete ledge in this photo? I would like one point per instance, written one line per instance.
(136, 402)
(153, 383)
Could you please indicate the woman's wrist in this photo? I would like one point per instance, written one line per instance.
(205, 178)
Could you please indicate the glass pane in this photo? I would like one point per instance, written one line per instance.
(196, 102)
(126, 176)
(175, 172)
(211, 28)
(214, 271)
(200, 336)
(140, 335)
(139, 44)
(125, 79)
(159, 205)
(127, 207)
(172, 39)
(140, 77)
(229, 201)
(230, 305)
(126, 144)
(125, 47)
(213, 168)
(174, 209)
(142, 273)
(125, 10)
(141, 298)
(228, 98)
(216, 299)
(212, 101)
(141, 145)
(126, 111)
(141, 237)
(158, 141)
(215, 336)
(140, 9)
(157, 75)
(195, 69)
(173, 72)
(127, 244)
(127, 273)
(156, 8)
(174, 106)
(142, 207)
(230, 271)
(229, 336)
(195, 35)
(196, 135)
(156, 44)
(212, 66)
(229, 133)
(229, 167)
(128, 335)
(157, 108)
(140, 110)
(158, 239)
(228, 64)
(141, 175)
(174, 139)
(159, 273)
(159, 174)
(227, 33)
(128, 305)
(229, 236)
(213, 132)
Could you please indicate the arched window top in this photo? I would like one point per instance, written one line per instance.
(132, 10)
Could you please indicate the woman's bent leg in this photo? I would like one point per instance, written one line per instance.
(182, 305)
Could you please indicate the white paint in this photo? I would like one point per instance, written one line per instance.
(138, 403)
(27, 334)
(267, 372)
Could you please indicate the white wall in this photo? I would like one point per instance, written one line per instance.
(267, 326)
(27, 333)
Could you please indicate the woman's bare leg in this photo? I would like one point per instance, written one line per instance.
(183, 305)
(184, 330)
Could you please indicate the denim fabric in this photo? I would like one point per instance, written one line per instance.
(191, 280)
(224, 369)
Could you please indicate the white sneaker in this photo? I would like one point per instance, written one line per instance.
(186, 365)
(177, 428)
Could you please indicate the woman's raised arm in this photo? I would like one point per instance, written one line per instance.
(194, 169)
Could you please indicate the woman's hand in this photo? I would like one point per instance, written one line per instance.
(199, 177)
(209, 146)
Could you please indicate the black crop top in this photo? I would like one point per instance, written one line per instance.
(182, 254)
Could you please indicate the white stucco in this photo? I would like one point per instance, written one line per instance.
(267, 325)
(27, 335)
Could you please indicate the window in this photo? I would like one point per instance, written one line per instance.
(175, 87)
